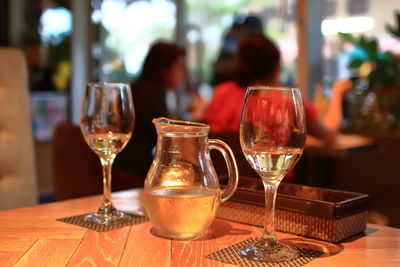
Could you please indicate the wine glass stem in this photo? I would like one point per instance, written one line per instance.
(268, 238)
(107, 165)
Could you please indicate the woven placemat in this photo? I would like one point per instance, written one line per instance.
(79, 220)
(231, 255)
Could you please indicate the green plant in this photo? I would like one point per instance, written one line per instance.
(377, 72)
(379, 69)
(394, 30)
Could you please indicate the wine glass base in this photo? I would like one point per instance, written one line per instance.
(280, 253)
(106, 219)
(107, 215)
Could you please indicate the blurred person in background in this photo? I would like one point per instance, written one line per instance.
(163, 69)
(223, 68)
(258, 63)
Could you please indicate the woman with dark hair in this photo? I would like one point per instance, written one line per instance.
(258, 64)
(223, 67)
(163, 69)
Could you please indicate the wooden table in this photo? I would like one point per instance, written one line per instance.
(31, 236)
(317, 163)
(345, 145)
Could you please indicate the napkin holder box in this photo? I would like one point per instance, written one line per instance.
(325, 214)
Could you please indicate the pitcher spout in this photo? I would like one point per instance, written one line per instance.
(171, 127)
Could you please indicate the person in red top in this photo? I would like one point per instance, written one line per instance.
(224, 111)
(258, 64)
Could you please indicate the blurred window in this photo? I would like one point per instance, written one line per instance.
(55, 24)
(45, 39)
(209, 21)
(126, 29)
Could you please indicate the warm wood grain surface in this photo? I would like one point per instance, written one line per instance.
(31, 236)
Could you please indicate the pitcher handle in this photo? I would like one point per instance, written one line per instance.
(230, 161)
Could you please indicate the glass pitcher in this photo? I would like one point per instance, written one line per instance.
(181, 190)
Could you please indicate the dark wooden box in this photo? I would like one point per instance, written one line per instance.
(325, 214)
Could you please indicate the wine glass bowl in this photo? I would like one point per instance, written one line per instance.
(272, 137)
(107, 119)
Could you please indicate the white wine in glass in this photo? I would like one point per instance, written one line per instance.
(107, 119)
(272, 137)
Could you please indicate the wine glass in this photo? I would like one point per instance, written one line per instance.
(272, 137)
(107, 119)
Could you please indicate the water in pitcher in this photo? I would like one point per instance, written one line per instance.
(181, 212)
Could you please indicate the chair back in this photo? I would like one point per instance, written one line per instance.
(18, 186)
(77, 170)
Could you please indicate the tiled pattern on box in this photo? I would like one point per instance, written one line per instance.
(332, 230)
